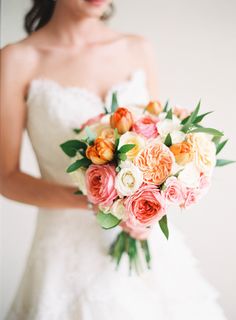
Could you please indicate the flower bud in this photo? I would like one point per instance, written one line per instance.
(122, 120)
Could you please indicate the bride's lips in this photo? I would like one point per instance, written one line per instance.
(96, 3)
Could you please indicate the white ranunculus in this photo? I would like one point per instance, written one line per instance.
(129, 179)
(177, 136)
(118, 210)
(132, 138)
(78, 177)
(171, 126)
(190, 176)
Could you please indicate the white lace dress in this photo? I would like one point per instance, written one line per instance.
(69, 275)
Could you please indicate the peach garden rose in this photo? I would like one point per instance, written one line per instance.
(155, 161)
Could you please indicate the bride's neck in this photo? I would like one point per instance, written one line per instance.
(73, 30)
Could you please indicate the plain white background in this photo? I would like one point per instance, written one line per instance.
(195, 45)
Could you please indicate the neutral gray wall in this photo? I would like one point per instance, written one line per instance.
(195, 48)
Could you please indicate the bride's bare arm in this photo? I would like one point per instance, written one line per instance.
(16, 70)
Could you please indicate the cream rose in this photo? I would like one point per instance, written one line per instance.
(129, 179)
(118, 210)
(78, 178)
(132, 138)
(205, 152)
(190, 176)
(173, 127)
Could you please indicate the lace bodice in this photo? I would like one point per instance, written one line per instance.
(54, 110)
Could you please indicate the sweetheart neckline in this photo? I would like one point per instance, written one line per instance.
(91, 93)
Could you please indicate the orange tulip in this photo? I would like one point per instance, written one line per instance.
(122, 120)
(183, 152)
(101, 152)
(154, 107)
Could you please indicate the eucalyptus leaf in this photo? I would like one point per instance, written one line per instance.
(114, 102)
(211, 131)
(126, 147)
(168, 140)
(71, 147)
(164, 226)
(223, 162)
(220, 146)
(107, 220)
(216, 140)
(90, 134)
(78, 164)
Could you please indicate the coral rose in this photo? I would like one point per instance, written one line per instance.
(101, 152)
(145, 206)
(154, 107)
(122, 120)
(183, 152)
(100, 184)
(146, 126)
(155, 161)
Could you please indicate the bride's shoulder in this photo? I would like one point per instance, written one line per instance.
(19, 59)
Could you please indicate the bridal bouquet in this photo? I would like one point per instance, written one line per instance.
(132, 163)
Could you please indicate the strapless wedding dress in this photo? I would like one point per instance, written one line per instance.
(69, 275)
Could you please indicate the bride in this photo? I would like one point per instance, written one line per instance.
(58, 77)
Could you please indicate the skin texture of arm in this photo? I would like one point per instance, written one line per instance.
(15, 184)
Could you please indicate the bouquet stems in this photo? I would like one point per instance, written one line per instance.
(137, 251)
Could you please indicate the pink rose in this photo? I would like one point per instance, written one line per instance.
(137, 232)
(145, 206)
(181, 113)
(190, 197)
(146, 126)
(204, 185)
(174, 191)
(100, 183)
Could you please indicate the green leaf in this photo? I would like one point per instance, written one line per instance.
(107, 220)
(114, 102)
(220, 146)
(164, 226)
(223, 162)
(166, 106)
(216, 140)
(168, 140)
(122, 156)
(105, 110)
(185, 120)
(78, 164)
(90, 134)
(78, 192)
(77, 130)
(211, 131)
(169, 114)
(72, 146)
(126, 147)
(117, 137)
(192, 118)
(201, 116)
